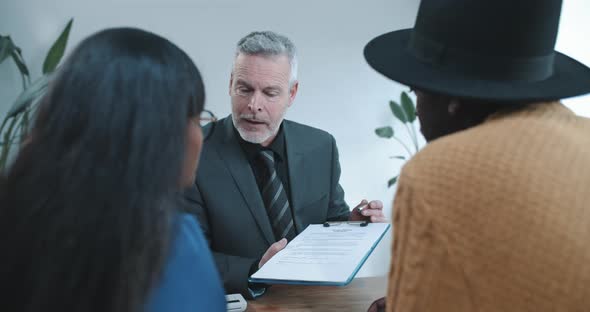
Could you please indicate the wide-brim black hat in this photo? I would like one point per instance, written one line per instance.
(496, 50)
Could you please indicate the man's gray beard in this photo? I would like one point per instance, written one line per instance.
(253, 138)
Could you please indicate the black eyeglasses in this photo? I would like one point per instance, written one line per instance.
(206, 117)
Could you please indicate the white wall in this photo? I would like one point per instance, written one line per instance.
(573, 40)
(338, 91)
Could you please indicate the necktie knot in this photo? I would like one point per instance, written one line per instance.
(268, 158)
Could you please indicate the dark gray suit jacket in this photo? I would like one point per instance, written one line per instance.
(229, 207)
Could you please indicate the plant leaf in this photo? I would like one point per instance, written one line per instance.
(398, 157)
(6, 47)
(392, 181)
(6, 145)
(24, 130)
(57, 50)
(28, 96)
(384, 132)
(397, 111)
(20, 63)
(408, 107)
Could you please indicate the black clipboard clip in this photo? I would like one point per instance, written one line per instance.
(359, 223)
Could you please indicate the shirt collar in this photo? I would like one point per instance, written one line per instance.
(252, 149)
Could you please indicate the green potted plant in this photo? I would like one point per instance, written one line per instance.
(406, 114)
(15, 124)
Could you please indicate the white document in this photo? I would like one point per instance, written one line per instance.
(323, 255)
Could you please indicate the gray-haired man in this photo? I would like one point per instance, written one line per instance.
(262, 179)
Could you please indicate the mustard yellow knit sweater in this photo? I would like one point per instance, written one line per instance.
(496, 218)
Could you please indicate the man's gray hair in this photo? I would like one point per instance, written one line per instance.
(269, 43)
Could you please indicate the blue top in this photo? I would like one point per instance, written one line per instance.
(190, 281)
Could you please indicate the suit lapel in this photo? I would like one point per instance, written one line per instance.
(296, 167)
(238, 165)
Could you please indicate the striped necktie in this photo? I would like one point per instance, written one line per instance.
(276, 201)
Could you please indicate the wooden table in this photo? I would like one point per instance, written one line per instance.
(356, 296)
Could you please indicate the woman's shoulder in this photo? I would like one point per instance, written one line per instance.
(189, 245)
(189, 279)
(188, 228)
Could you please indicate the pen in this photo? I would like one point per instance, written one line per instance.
(360, 223)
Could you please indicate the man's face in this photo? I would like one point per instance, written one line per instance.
(260, 95)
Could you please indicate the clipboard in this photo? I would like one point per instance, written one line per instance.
(329, 254)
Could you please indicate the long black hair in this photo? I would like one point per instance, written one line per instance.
(86, 209)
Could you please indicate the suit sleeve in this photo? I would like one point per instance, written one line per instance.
(338, 210)
(234, 270)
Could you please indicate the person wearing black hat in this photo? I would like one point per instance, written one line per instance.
(494, 214)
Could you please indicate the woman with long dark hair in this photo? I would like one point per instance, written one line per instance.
(89, 211)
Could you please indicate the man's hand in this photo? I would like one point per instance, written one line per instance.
(371, 211)
(272, 250)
